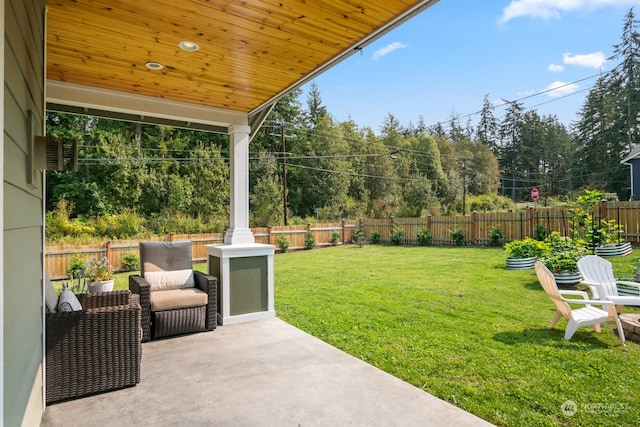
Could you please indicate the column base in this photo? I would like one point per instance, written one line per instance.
(245, 281)
(239, 236)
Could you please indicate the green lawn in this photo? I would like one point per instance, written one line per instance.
(457, 324)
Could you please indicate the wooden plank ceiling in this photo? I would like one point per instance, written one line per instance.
(251, 51)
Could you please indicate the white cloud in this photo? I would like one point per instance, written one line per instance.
(590, 60)
(549, 9)
(555, 68)
(557, 89)
(383, 51)
(526, 93)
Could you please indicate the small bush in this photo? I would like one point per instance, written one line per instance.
(459, 237)
(397, 237)
(496, 236)
(540, 232)
(309, 240)
(334, 239)
(375, 237)
(359, 238)
(77, 265)
(283, 243)
(130, 262)
(424, 237)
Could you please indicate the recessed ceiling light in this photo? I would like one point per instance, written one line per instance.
(188, 46)
(154, 65)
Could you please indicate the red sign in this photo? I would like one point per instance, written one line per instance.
(534, 194)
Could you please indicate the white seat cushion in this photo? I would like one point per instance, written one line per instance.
(174, 299)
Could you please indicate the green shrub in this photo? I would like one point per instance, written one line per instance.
(397, 237)
(540, 232)
(130, 262)
(424, 237)
(77, 265)
(358, 237)
(283, 243)
(458, 236)
(375, 237)
(526, 248)
(309, 240)
(334, 239)
(496, 236)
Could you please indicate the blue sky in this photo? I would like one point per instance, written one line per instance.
(445, 60)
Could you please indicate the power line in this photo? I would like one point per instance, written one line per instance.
(395, 178)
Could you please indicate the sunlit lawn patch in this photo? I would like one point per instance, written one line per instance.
(456, 323)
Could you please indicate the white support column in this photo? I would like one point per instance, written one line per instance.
(239, 232)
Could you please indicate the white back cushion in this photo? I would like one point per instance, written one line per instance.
(50, 295)
(68, 301)
(175, 279)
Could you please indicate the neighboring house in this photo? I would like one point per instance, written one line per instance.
(125, 63)
(633, 160)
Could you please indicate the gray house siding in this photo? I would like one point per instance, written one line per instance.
(635, 179)
(23, 213)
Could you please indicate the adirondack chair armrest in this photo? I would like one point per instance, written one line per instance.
(589, 301)
(586, 301)
(582, 294)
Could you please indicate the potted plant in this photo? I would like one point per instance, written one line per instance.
(99, 275)
(603, 236)
(612, 243)
(522, 254)
(563, 258)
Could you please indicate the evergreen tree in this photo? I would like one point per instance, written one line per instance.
(510, 133)
(487, 130)
(315, 110)
(625, 78)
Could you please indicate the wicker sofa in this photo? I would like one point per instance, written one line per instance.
(95, 349)
(175, 299)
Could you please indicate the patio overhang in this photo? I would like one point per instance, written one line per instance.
(249, 55)
(214, 65)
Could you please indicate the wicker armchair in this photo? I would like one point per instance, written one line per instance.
(174, 298)
(93, 350)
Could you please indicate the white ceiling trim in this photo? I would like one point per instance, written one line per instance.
(140, 108)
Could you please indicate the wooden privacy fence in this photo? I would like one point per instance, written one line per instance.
(476, 227)
(57, 257)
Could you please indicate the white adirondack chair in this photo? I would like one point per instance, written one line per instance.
(586, 316)
(597, 273)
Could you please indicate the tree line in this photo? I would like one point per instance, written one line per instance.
(305, 164)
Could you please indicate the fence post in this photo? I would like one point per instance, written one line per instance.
(171, 237)
(392, 225)
(270, 234)
(604, 210)
(532, 215)
(344, 232)
(429, 223)
(474, 228)
(108, 246)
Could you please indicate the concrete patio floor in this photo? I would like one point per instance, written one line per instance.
(263, 373)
